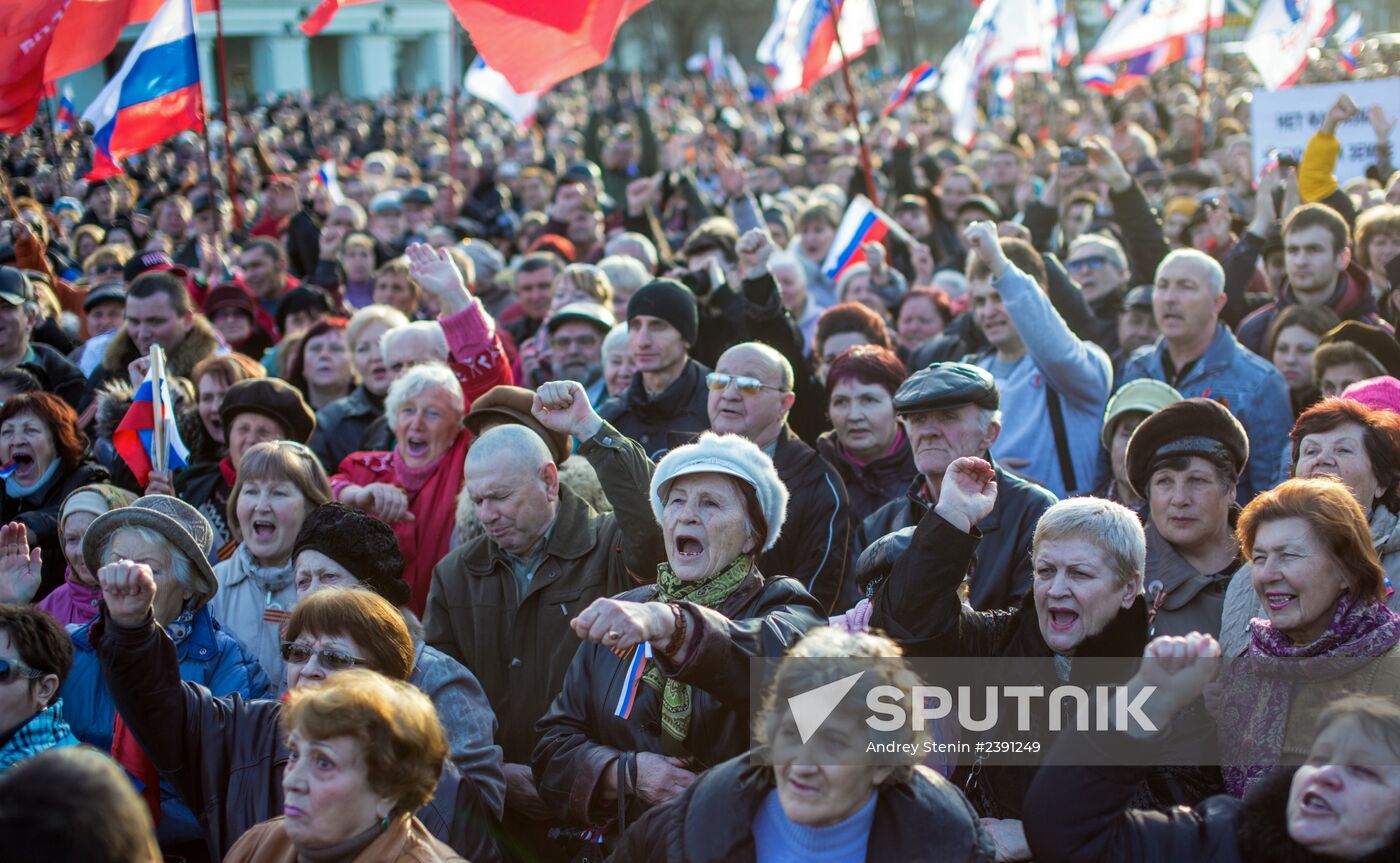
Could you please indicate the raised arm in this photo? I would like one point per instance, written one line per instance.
(622, 466)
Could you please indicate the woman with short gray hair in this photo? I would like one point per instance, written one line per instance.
(414, 487)
(1088, 557)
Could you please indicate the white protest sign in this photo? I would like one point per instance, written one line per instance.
(1286, 119)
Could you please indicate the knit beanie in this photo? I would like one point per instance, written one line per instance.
(670, 301)
(734, 456)
(361, 543)
(1382, 393)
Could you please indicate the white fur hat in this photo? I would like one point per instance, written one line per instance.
(735, 456)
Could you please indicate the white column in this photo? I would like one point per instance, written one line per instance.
(209, 70)
(367, 65)
(434, 61)
(280, 65)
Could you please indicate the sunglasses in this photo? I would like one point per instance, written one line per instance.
(108, 268)
(336, 660)
(719, 382)
(11, 669)
(1088, 262)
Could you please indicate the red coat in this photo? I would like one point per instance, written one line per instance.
(479, 362)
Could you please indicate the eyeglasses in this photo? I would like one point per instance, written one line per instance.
(1088, 262)
(719, 382)
(108, 268)
(12, 668)
(336, 660)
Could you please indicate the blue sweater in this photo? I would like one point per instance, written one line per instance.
(1079, 371)
(777, 839)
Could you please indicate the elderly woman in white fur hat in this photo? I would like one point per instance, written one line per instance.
(627, 732)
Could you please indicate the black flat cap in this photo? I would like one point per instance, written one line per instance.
(946, 385)
(1139, 297)
(275, 399)
(1192, 427)
(981, 202)
(1371, 339)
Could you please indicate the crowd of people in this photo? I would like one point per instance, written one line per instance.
(508, 452)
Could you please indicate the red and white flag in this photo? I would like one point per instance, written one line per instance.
(801, 44)
(321, 16)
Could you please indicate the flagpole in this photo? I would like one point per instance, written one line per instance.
(870, 189)
(53, 134)
(159, 456)
(223, 110)
(1201, 94)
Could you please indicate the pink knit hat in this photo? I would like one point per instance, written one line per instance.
(1382, 393)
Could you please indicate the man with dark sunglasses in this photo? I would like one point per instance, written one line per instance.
(750, 394)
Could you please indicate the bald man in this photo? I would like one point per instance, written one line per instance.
(751, 395)
(501, 604)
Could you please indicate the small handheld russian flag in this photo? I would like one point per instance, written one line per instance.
(148, 438)
(632, 682)
(328, 178)
(863, 223)
(67, 118)
(7, 469)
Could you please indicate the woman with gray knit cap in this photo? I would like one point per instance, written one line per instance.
(603, 759)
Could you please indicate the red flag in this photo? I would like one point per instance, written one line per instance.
(536, 44)
(90, 30)
(129, 754)
(27, 29)
(322, 14)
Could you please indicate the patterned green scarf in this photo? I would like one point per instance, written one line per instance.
(711, 593)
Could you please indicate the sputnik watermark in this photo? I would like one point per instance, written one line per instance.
(1066, 707)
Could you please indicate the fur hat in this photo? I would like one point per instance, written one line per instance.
(1191, 427)
(734, 456)
(359, 542)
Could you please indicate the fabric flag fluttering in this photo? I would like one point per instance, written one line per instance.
(1349, 38)
(536, 44)
(327, 175)
(921, 79)
(321, 16)
(1101, 79)
(484, 83)
(801, 44)
(147, 438)
(862, 223)
(154, 97)
(1281, 35)
(1138, 28)
(90, 29)
(27, 29)
(66, 119)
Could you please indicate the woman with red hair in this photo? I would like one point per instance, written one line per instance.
(1344, 439)
(43, 457)
(867, 445)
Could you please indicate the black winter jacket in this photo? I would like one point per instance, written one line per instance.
(226, 756)
(1075, 814)
(341, 427)
(1002, 571)
(55, 373)
(580, 736)
(816, 543)
(670, 419)
(870, 486)
(924, 821)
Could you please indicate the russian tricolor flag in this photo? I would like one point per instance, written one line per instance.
(135, 437)
(154, 97)
(1099, 78)
(1349, 36)
(67, 118)
(863, 223)
(801, 43)
(329, 178)
(919, 79)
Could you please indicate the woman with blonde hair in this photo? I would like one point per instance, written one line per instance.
(279, 483)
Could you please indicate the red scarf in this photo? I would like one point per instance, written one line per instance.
(129, 754)
(432, 498)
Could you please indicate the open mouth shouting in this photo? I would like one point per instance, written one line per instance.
(1061, 619)
(264, 530)
(689, 548)
(417, 447)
